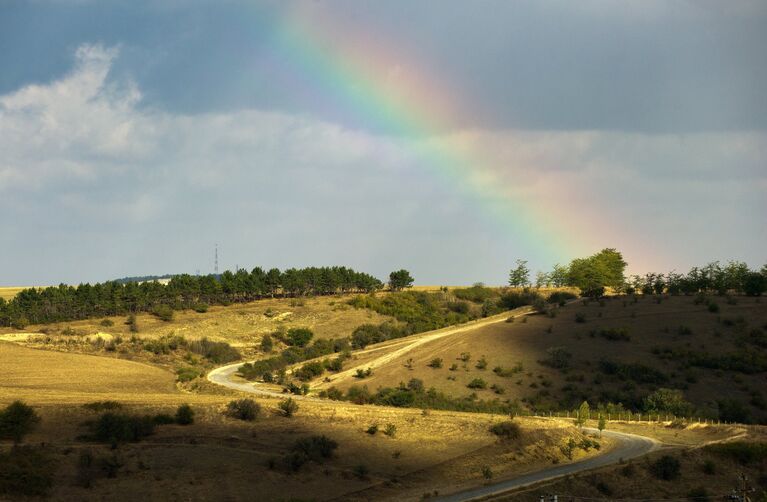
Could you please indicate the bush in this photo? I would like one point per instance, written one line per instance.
(163, 312)
(560, 297)
(615, 334)
(390, 430)
(184, 415)
(288, 406)
(477, 383)
(458, 307)
(17, 420)
(99, 406)
(372, 430)
(107, 323)
(299, 337)
(507, 430)
(217, 352)
(666, 468)
(120, 428)
(187, 374)
(200, 308)
(25, 472)
(436, 363)
(742, 452)
(699, 494)
(316, 448)
(580, 317)
(558, 358)
(732, 410)
(266, 344)
(243, 409)
(481, 363)
(713, 307)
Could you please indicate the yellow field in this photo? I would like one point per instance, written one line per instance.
(8, 292)
(217, 455)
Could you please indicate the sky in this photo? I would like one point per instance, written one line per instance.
(446, 137)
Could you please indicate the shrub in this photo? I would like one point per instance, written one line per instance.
(458, 307)
(299, 337)
(184, 415)
(481, 363)
(200, 308)
(560, 297)
(666, 468)
(25, 472)
(163, 312)
(390, 430)
(288, 406)
(120, 428)
(316, 448)
(487, 472)
(615, 334)
(99, 406)
(580, 317)
(360, 373)
(163, 419)
(107, 323)
(415, 384)
(713, 307)
(243, 409)
(361, 471)
(507, 430)
(709, 467)
(477, 294)
(217, 352)
(266, 344)
(477, 383)
(436, 362)
(310, 370)
(558, 357)
(372, 430)
(187, 374)
(742, 452)
(732, 410)
(17, 420)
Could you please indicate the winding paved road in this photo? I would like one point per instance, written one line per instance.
(629, 446)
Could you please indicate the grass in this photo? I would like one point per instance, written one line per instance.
(620, 362)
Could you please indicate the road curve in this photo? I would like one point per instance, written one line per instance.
(629, 446)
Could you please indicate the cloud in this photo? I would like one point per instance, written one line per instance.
(85, 160)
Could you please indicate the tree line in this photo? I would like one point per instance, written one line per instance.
(67, 303)
(606, 269)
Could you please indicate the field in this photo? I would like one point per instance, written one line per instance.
(433, 451)
(8, 292)
(429, 452)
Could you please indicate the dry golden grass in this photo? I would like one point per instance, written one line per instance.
(507, 344)
(42, 376)
(218, 456)
(8, 292)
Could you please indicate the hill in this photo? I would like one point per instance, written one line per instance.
(617, 352)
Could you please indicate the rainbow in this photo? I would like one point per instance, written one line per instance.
(364, 77)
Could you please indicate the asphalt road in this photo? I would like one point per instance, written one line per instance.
(629, 446)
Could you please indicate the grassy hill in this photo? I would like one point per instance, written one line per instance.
(618, 350)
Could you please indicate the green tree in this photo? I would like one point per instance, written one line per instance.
(519, 276)
(591, 275)
(400, 279)
(558, 275)
(601, 424)
(754, 284)
(541, 279)
(583, 414)
(17, 420)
